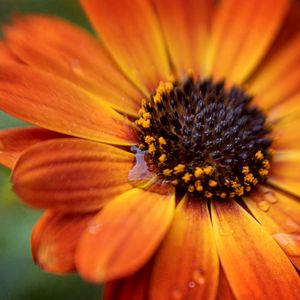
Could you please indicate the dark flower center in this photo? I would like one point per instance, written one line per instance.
(204, 138)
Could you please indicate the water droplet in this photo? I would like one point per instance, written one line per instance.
(191, 284)
(198, 276)
(176, 294)
(290, 242)
(263, 205)
(270, 196)
(75, 66)
(94, 227)
(139, 171)
(291, 226)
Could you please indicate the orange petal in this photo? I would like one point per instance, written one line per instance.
(53, 103)
(6, 55)
(284, 172)
(188, 42)
(279, 79)
(124, 235)
(134, 287)
(187, 265)
(14, 141)
(54, 240)
(224, 289)
(130, 31)
(71, 174)
(286, 133)
(241, 35)
(87, 64)
(279, 215)
(254, 264)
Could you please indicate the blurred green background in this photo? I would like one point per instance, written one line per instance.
(20, 279)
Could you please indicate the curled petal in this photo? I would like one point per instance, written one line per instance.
(54, 240)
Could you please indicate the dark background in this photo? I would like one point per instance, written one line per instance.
(20, 279)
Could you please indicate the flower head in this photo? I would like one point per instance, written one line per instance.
(165, 155)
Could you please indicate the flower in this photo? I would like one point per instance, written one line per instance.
(165, 155)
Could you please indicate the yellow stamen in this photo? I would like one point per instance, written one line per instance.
(174, 182)
(167, 172)
(208, 194)
(263, 172)
(162, 141)
(198, 186)
(191, 188)
(151, 149)
(266, 164)
(259, 155)
(212, 183)
(186, 177)
(198, 172)
(146, 123)
(246, 170)
(223, 195)
(208, 170)
(157, 98)
(179, 168)
(149, 139)
(162, 158)
(146, 115)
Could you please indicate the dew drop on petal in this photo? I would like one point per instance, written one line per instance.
(140, 169)
(270, 196)
(94, 227)
(290, 242)
(263, 205)
(75, 66)
(198, 277)
(176, 294)
(291, 226)
(191, 284)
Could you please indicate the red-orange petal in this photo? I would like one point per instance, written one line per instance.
(71, 174)
(131, 32)
(54, 240)
(279, 79)
(187, 265)
(241, 35)
(279, 214)
(224, 289)
(6, 55)
(14, 141)
(134, 287)
(56, 104)
(254, 264)
(187, 43)
(124, 235)
(283, 174)
(87, 64)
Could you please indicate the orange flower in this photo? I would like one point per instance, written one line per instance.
(167, 155)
